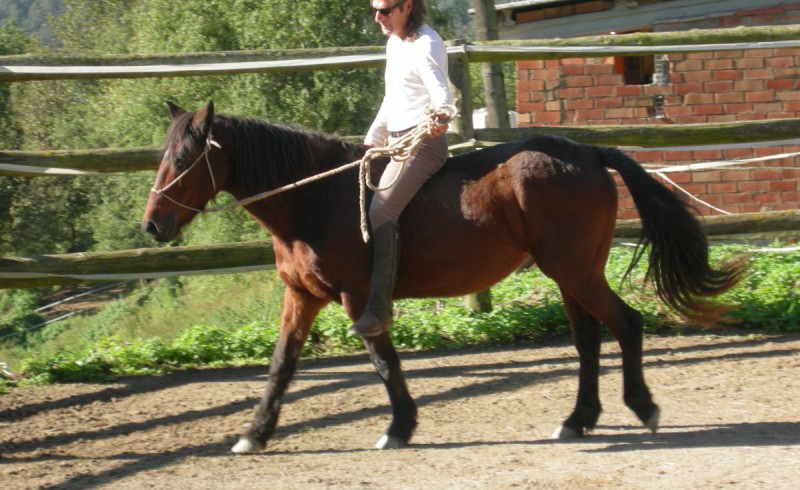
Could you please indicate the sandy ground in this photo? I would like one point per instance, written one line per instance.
(730, 418)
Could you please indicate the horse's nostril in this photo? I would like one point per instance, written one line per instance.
(150, 227)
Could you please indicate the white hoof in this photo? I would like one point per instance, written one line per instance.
(390, 442)
(246, 446)
(652, 422)
(565, 433)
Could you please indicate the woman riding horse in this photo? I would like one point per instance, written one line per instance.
(470, 225)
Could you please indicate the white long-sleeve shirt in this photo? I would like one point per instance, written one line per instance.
(415, 77)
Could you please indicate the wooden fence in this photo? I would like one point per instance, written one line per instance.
(144, 263)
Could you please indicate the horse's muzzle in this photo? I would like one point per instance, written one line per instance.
(164, 231)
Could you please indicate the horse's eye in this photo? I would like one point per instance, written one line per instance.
(180, 159)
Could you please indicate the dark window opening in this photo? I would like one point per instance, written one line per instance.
(635, 70)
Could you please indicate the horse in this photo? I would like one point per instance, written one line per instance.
(544, 199)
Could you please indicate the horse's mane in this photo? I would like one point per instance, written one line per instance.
(269, 155)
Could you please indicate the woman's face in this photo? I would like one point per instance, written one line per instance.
(395, 18)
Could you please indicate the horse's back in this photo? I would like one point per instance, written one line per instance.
(536, 153)
(537, 170)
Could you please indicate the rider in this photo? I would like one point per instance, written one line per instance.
(415, 78)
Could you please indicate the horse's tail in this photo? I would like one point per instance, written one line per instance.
(679, 256)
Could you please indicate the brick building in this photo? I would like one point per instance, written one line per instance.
(707, 87)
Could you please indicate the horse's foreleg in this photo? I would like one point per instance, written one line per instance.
(299, 311)
(586, 335)
(404, 410)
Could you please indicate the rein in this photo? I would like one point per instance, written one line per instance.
(400, 150)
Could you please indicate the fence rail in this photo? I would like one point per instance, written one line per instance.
(143, 263)
(23, 68)
(73, 162)
(149, 263)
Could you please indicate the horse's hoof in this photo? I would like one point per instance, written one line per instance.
(246, 446)
(390, 442)
(652, 422)
(564, 433)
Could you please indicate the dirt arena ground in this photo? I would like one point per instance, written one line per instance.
(730, 418)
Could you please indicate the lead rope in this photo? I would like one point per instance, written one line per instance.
(401, 150)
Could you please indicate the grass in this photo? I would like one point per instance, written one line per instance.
(230, 320)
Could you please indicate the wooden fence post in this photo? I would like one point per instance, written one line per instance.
(493, 85)
(480, 302)
(458, 68)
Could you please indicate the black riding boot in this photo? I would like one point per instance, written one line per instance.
(377, 317)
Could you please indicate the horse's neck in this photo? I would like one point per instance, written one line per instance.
(302, 213)
(332, 153)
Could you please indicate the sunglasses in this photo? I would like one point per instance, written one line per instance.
(386, 12)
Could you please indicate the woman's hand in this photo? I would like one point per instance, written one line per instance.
(439, 127)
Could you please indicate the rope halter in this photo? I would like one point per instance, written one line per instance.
(209, 143)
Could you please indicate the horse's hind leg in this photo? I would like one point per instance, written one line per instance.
(404, 410)
(629, 335)
(589, 300)
(626, 325)
(586, 335)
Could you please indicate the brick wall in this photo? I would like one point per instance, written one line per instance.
(710, 87)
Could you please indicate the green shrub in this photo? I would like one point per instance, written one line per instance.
(769, 298)
(254, 342)
(19, 317)
(66, 368)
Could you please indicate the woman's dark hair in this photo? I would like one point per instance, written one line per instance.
(418, 13)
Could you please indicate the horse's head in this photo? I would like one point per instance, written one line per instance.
(189, 174)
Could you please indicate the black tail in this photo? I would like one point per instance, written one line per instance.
(678, 261)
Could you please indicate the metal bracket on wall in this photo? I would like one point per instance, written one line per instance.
(658, 107)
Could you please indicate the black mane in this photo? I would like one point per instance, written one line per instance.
(267, 156)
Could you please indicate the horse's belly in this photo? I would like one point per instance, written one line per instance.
(453, 277)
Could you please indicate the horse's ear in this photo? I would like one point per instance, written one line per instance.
(203, 119)
(174, 111)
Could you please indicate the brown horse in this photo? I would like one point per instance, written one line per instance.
(472, 224)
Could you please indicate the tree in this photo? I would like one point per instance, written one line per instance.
(31, 16)
(12, 41)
